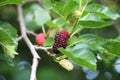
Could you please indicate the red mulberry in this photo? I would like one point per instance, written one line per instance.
(40, 39)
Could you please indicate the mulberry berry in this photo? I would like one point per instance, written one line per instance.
(40, 39)
(60, 40)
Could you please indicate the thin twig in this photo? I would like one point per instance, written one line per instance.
(36, 57)
(43, 48)
(20, 38)
(31, 32)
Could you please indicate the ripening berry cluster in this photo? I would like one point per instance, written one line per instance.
(60, 40)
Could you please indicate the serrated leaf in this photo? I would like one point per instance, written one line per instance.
(10, 30)
(112, 46)
(93, 41)
(56, 22)
(95, 24)
(41, 16)
(81, 55)
(5, 57)
(28, 16)
(93, 21)
(51, 24)
(7, 43)
(48, 4)
(59, 21)
(49, 42)
(102, 11)
(8, 39)
(72, 40)
(64, 9)
(5, 2)
(109, 46)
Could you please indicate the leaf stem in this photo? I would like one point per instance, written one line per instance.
(73, 43)
(79, 29)
(77, 21)
(80, 5)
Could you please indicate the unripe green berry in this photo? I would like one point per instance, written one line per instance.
(66, 64)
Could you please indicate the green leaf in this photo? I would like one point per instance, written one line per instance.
(35, 16)
(93, 21)
(41, 16)
(91, 38)
(102, 11)
(81, 55)
(8, 39)
(106, 46)
(28, 16)
(6, 58)
(10, 30)
(59, 21)
(112, 46)
(94, 42)
(49, 42)
(5, 2)
(72, 40)
(64, 9)
(48, 4)
(56, 22)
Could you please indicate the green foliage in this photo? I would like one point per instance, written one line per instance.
(48, 42)
(48, 4)
(63, 15)
(81, 49)
(72, 40)
(112, 46)
(81, 55)
(92, 21)
(56, 22)
(100, 44)
(5, 2)
(89, 43)
(65, 9)
(28, 16)
(41, 16)
(35, 16)
(8, 40)
(93, 41)
(102, 11)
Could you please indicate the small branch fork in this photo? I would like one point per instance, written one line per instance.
(43, 48)
(32, 47)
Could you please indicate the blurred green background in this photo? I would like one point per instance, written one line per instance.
(50, 70)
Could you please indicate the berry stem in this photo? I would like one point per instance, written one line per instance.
(61, 57)
(43, 29)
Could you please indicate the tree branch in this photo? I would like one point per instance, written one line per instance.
(35, 55)
(43, 48)
(19, 38)
(31, 32)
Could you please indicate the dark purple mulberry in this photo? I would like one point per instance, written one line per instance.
(60, 40)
